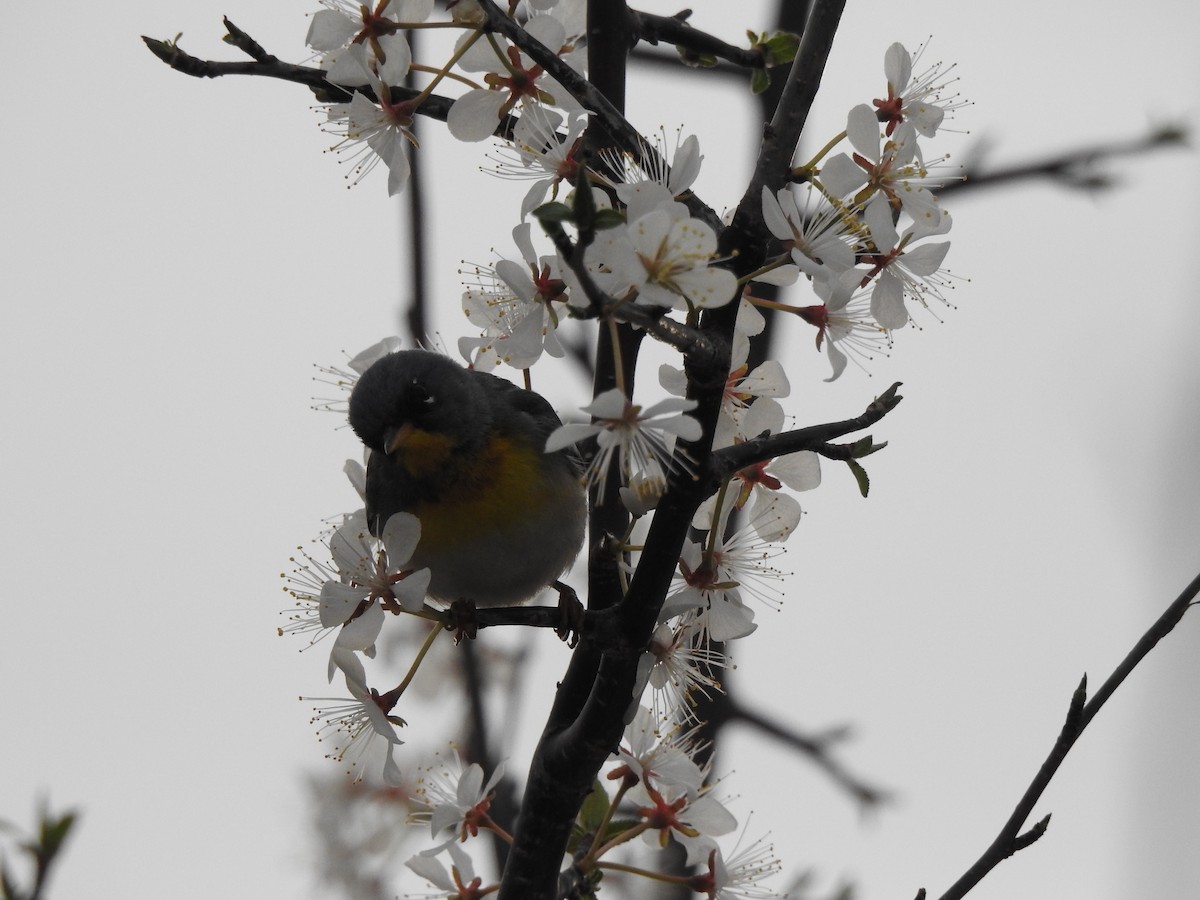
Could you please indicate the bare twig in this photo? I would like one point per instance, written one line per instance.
(678, 31)
(434, 106)
(724, 709)
(623, 134)
(1079, 169)
(689, 341)
(816, 437)
(1011, 839)
(781, 136)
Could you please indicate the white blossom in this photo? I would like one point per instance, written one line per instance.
(637, 439)
(667, 261)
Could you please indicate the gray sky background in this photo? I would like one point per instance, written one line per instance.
(179, 253)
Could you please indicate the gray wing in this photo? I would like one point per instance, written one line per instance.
(534, 409)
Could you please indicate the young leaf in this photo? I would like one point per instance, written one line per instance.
(553, 213)
(781, 48)
(860, 475)
(607, 218)
(594, 809)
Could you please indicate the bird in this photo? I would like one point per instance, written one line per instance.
(464, 451)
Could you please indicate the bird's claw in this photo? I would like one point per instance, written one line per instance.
(570, 612)
(462, 620)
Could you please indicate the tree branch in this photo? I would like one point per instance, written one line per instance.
(592, 99)
(728, 460)
(687, 340)
(677, 31)
(268, 66)
(1079, 715)
(625, 136)
(587, 716)
(723, 709)
(782, 135)
(1074, 169)
(415, 264)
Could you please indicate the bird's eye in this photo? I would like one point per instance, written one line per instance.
(421, 395)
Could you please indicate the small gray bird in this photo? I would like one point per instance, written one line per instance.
(463, 451)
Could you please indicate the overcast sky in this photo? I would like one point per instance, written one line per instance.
(179, 253)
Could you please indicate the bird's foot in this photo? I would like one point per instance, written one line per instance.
(570, 612)
(463, 621)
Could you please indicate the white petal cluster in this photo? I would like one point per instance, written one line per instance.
(861, 227)
(516, 306)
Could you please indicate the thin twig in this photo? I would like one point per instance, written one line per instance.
(626, 137)
(267, 66)
(676, 30)
(815, 437)
(782, 135)
(415, 264)
(725, 710)
(691, 342)
(1011, 839)
(1074, 169)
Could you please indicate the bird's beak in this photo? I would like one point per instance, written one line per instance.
(395, 438)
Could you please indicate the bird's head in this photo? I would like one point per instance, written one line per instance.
(419, 407)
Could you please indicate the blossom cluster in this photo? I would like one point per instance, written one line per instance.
(861, 227)
(858, 228)
(349, 598)
(858, 223)
(363, 49)
(840, 222)
(366, 579)
(662, 795)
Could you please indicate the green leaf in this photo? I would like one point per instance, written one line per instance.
(759, 81)
(860, 475)
(595, 808)
(554, 213)
(607, 218)
(865, 446)
(54, 832)
(781, 47)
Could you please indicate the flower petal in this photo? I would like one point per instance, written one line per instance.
(475, 115)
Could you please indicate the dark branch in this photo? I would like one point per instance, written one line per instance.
(246, 44)
(600, 629)
(1160, 629)
(265, 65)
(586, 718)
(269, 67)
(816, 437)
(415, 264)
(1021, 841)
(579, 87)
(691, 342)
(691, 42)
(816, 748)
(627, 138)
(1079, 715)
(1078, 169)
(782, 135)
(525, 616)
